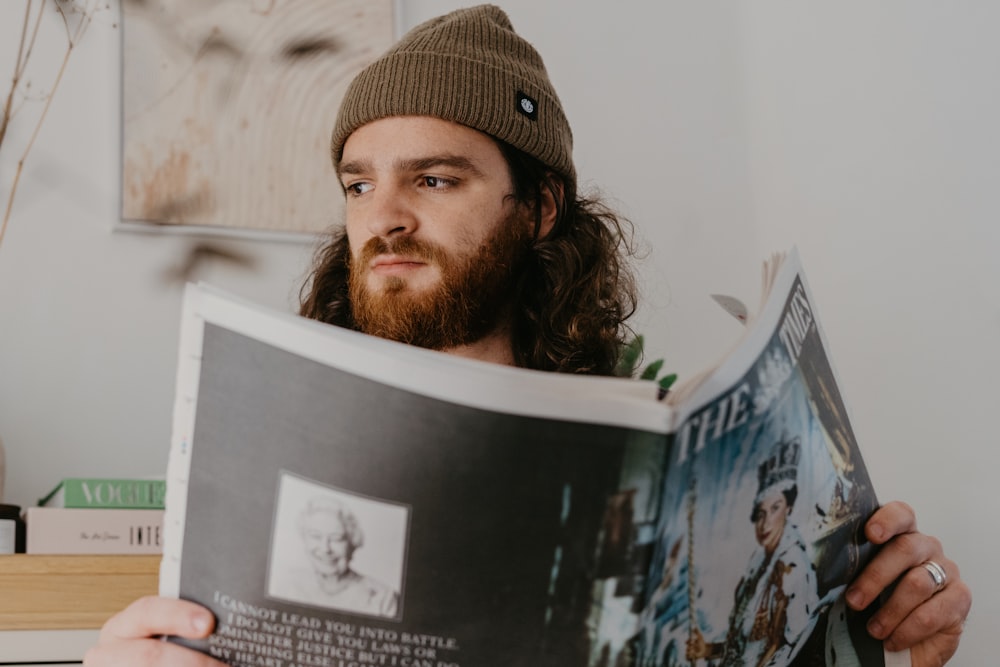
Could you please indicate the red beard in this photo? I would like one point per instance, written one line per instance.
(471, 300)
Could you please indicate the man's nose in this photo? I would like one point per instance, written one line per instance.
(390, 212)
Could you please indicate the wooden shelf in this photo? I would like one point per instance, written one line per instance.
(71, 592)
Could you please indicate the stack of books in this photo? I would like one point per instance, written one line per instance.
(98, 516)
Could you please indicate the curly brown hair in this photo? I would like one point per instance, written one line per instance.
(573, 298)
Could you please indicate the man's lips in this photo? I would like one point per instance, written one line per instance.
(393, 264)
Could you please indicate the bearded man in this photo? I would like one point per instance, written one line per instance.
(464, 233)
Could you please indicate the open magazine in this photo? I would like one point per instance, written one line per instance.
(340, 500)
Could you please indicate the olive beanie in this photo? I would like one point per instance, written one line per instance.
(470, 67)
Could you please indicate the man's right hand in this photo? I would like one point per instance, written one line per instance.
(132, 636)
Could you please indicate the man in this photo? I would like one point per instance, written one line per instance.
(331, 535)
(464, 233)
(478, 134)
(776, 601)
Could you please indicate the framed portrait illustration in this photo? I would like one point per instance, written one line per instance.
(228, 106)
(335, 549)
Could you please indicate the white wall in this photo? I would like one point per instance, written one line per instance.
(874, 145)
(865, 133)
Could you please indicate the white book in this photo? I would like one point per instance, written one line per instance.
(58, 530)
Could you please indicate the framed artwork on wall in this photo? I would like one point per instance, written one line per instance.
(228, 106)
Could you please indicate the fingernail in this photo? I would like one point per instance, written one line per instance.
(200, 624)
(855, 598)
(877, 532)
(875, 629)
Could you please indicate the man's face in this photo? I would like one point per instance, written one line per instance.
(769, 520)
(327, 543)
(435, 235)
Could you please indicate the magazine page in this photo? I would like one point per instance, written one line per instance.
(342, 500)
(763, 509)
(734, 359)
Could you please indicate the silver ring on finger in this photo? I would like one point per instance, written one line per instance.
(937, 573)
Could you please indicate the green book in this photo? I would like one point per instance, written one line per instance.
(107, 493)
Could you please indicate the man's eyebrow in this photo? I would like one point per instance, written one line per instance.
(354, 167)
(460, 162)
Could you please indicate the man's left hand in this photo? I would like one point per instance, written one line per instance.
(920, 614)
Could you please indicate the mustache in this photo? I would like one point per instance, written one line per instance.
(401, 245)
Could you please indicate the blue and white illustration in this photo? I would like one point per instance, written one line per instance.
(767, 475)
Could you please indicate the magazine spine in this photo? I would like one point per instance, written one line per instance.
(107, 493)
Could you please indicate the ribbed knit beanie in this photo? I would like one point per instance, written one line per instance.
(470, 67)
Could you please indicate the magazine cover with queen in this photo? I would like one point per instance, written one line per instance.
(760, 523)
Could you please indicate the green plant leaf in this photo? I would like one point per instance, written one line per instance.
(667, 381)
(631, 353)
(652, 370)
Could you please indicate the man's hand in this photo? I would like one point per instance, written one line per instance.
(918, 615)
(131, 637)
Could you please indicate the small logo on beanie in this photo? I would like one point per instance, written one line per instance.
(527, 106)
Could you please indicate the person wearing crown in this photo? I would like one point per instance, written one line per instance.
(776, 599)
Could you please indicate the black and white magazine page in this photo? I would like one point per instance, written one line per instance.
(763, 509)
(341, 500)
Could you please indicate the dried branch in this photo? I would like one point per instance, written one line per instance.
(34, 34)
(22, 56)
(25, 49)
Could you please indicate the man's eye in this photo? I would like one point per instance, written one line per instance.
(358, 188)
(436, 182)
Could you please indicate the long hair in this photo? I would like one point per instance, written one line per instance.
(571, 302)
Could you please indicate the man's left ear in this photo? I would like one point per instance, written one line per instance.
(550, 201)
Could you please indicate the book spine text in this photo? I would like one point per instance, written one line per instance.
(56, 530)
